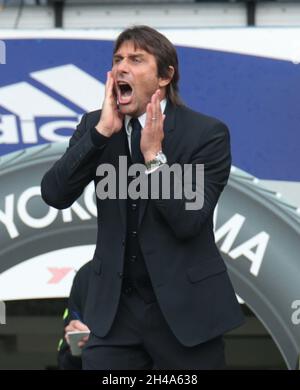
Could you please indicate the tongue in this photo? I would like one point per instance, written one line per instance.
(125, 98)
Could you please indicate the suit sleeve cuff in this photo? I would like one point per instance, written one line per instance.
(98, 139)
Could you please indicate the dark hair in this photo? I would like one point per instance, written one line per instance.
(150, 40)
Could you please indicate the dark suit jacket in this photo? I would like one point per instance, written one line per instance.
(188, 274)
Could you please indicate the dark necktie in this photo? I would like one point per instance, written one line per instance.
(135, 141)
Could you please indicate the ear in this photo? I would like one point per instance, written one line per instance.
(163, 82)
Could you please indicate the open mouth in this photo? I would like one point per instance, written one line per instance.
(124, 92)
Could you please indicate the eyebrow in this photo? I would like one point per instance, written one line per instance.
(133, 55)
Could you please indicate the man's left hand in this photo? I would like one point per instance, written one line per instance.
(153, 133)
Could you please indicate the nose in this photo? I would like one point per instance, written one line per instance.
(122, 66)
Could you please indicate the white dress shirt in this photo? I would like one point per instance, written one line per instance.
(142, 120)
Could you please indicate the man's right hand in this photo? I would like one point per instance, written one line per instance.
(76, 325)
(111, 119)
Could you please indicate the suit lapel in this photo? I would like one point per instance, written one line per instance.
(169, 126)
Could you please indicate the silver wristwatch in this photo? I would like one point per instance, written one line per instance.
(159, 159)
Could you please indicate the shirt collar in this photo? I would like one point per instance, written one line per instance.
(142, 118)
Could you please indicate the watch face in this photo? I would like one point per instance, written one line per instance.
(162, 158)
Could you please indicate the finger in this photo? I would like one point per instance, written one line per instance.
(109, 87)
(76, 325)
(157, 111)
(69, 328)
(148, 122)
(158, 108)
(107, 82)
(154, 109)
(80, 326)
(82, 342)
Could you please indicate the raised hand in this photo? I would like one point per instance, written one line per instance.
(111, 119)
(153, 134)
